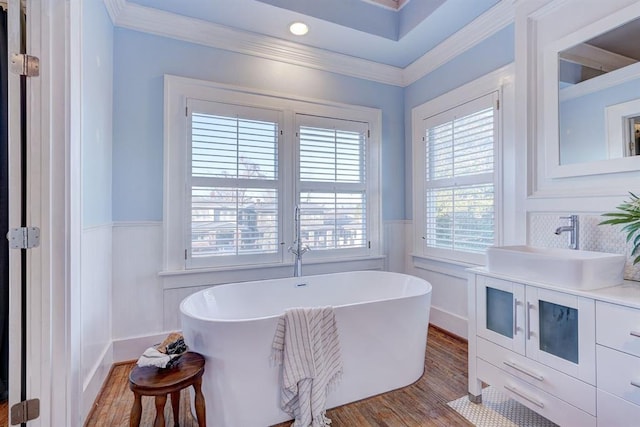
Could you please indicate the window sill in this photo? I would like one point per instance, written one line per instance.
(174, 279)
(448, 266)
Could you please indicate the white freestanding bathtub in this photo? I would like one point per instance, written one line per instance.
(382, 320)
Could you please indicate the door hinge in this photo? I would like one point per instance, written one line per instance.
(24, 411)
(24, 237)
(25, 65)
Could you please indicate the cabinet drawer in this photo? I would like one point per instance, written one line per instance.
(550, 407)
(565, 387)
(615, 412)
(616, 373)
(617, 327)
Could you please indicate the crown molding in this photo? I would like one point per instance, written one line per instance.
(205, 33)
(478, 30)
(114, 8)
(153, 21)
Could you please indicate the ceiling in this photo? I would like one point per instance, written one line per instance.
(391, 32)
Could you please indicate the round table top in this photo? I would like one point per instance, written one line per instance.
(152, 380)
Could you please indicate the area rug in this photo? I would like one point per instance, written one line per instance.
(497, 410)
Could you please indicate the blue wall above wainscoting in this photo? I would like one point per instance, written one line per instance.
(141, 61)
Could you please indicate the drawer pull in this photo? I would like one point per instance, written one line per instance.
(515, 317)
(528, 320)
(524, 396)
(635, 384)
(526, 371)
(635, 334)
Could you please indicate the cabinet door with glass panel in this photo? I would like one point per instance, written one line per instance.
(551, 327)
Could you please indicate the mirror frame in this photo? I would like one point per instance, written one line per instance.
(551, 99)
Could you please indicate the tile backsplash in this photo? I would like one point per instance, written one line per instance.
(593, 237)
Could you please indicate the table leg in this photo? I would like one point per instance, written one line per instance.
(136, 411)
(199, 403)
(175, 404)
(160, 402)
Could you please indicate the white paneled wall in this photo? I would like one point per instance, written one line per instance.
(137, 289)
(172, 300)
(96, 311)
(449, 282)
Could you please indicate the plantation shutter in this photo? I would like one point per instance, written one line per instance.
(332, 183)
(459, 202)
(233, 183)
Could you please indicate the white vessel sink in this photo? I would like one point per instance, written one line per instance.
(567, 268)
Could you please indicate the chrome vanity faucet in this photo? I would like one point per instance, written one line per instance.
(297, 248)
(573, 228)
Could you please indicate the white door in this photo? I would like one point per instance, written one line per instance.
(31, 271)
(17, 257)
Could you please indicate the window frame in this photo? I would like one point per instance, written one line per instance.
(247, 113)
(338, 187)
(456, 98)
(176, 92)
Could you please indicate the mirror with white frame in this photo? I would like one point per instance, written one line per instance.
(593, 79)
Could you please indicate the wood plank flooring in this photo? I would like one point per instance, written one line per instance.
(424, 403)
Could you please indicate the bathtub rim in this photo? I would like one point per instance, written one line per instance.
(428, 289)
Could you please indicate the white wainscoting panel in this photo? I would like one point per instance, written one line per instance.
(172, 300)
(96, 311)
(128, 349)
(137, 288)
(449, 282)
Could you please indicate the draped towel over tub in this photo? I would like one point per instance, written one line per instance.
(306, 343)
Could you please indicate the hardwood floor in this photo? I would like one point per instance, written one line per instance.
(424, 403)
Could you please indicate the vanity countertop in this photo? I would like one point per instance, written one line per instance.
(627, 293)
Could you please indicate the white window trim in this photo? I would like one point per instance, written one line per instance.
(491, 82)
(329, 186)
(176, 92)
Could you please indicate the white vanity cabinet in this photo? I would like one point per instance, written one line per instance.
(618, 355)
(536, 344)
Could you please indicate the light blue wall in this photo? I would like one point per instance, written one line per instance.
(140, 62)
(488, 55)
(97, 93)
(583, 130)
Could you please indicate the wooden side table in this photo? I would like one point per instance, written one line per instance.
(152, 381)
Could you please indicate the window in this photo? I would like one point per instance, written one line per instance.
(233, 184)
(332, 183)
(458, 215)
(236, 164)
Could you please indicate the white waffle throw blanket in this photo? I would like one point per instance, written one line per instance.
(306, 344)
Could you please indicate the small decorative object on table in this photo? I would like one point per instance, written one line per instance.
(166, 354)
(630, 216)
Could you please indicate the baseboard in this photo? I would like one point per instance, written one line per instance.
(449, 322)
(126, 349)
(95, 380)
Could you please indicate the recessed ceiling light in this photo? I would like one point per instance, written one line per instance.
(299, 28)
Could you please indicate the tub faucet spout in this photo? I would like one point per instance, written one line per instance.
(297, 249)
(572, 228)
